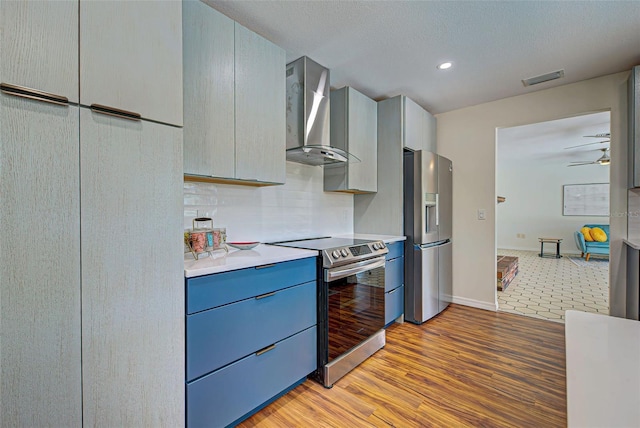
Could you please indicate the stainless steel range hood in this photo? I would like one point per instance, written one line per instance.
(308, 129)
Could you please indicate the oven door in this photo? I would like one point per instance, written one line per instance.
(355, 304)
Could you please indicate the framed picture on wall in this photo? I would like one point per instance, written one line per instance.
(586, 199)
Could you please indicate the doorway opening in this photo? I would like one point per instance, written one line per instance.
(537, 167)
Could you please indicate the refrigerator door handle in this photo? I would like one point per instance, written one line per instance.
(437, 209)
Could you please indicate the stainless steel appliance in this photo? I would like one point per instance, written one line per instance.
(427, 225)
(351, 275)
(308, 115)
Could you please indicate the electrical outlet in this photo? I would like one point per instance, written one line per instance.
(482, 214)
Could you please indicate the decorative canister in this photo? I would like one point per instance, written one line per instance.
(202, 239)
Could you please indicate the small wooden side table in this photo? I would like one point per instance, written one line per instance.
(550, 241)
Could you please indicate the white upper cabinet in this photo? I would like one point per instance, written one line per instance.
(209, 131)
(419, 127)
(234, 91)
(354, 118)
(260, 108)
(39, 46)
(130, 57)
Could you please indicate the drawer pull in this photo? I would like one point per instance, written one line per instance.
(265, 266)
(262, 296)
(33, 94)
(264, 350)
(111, 111)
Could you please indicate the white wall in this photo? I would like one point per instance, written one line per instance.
(534, 203)
(468, 137)
(297, 209)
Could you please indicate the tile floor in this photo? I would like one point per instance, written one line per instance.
(546, 287)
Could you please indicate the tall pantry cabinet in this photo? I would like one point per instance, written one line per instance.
(91, 321)
(402, 125)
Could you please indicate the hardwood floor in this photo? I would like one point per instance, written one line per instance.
(466, 367)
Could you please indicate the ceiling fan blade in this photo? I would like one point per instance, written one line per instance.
(583, 163)
(587, 144)
(602, 135)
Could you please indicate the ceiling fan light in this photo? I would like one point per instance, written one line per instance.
(605, 162)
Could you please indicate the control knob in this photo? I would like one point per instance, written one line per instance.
(335, 254)
(344, 252)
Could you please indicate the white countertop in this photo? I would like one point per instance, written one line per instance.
(221, 261)
(603, 370)
(384, 238)
(633, 243)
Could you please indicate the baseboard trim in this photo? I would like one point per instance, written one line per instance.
(500, 247)
(535, 250)
(475, 303)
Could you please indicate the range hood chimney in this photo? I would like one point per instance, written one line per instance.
(308, 132)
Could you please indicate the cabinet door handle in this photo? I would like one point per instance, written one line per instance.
(262, 296)
(111, 111)
(265, 266)
(264, 350)
(34, 94)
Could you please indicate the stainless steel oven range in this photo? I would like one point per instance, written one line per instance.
(350, 302)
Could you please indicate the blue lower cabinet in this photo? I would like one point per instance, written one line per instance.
(225, 334)
(393, 304)
(209, 291)
(236, 391)
(396, 249)
(393, 273)
(394, 282)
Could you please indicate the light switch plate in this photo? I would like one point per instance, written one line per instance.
(482, 214)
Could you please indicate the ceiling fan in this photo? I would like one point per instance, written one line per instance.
(605, 135)
(602, 160)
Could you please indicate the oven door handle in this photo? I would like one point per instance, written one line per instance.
(352, 269)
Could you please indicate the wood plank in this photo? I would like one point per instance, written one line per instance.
(466, 367)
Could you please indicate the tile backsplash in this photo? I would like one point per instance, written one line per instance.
(298, 209)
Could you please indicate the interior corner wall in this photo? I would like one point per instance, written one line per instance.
(468, 137)
(534, 200)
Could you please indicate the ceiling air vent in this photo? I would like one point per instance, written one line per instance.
(543, 78)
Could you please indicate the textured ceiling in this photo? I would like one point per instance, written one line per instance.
(386, 48)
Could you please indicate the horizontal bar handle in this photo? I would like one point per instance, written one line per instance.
(34, 94)
(353, 269)
(111, 111)
(262, 296)
(265, 266)
(267, 349)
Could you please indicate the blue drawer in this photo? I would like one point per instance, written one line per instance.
(393, 304)
(394, 273)
(222, 335)
(396, 249)
(228, 394)
(209, 291)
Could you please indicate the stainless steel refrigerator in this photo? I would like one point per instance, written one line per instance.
(427, 225)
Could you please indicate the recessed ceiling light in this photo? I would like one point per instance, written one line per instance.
(444, 66)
